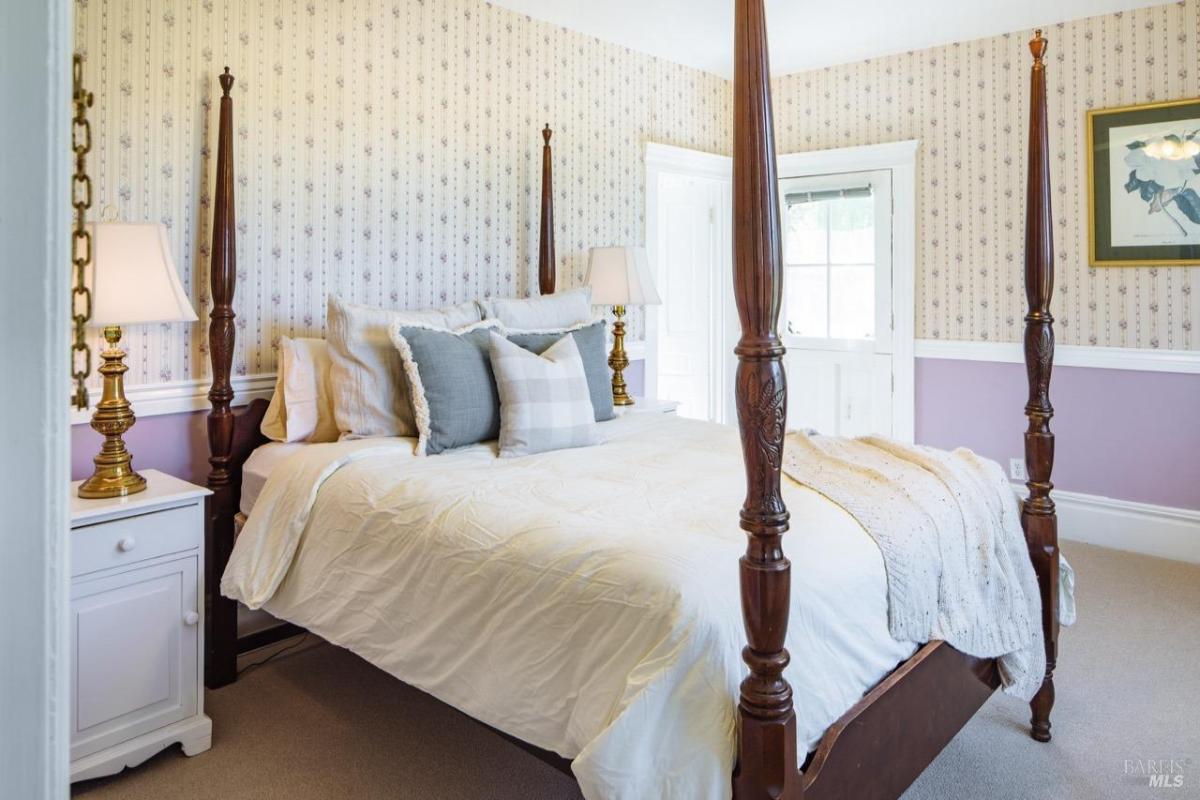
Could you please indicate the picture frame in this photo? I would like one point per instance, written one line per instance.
(1144, 185)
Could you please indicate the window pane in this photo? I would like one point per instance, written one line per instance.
(852, 301)
(804, 239)
(805, 308)
(851, 230)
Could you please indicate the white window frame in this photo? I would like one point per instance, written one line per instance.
(883, 234)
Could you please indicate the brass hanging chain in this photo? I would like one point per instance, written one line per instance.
(81, 239)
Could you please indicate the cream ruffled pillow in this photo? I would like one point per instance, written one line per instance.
(301, 409)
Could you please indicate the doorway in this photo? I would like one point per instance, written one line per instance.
(849, 228)
(688, 199)
(837, 301)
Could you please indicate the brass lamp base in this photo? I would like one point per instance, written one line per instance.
(618, 360)
(114, 475)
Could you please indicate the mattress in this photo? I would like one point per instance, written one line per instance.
(259, 466)
(585, 601)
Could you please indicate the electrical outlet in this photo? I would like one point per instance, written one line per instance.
(1016, 469)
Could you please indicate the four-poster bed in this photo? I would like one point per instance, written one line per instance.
(878, 747)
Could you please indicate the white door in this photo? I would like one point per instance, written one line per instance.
(837, 319)
(689, 256)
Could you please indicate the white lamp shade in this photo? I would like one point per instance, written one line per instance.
(620, 276)
(133, 276)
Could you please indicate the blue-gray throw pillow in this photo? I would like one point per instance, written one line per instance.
(593, 349)
(452, 388)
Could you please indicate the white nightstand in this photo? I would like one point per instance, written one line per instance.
(647, 405)
(137, 626)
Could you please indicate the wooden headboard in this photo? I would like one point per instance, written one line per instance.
(234, 433)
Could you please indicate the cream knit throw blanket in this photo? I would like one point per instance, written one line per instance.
(949, 528)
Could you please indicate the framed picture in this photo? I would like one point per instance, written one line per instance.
(1144, 185)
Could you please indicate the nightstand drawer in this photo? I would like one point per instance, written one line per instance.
(133, 539)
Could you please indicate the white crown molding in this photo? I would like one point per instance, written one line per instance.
(693, 162)
(1144, 528)
(862, 158)
(175, 397)
(1126, 358)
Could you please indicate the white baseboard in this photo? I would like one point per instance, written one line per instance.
(1127, 358)
(1151, 530)
(176, 397)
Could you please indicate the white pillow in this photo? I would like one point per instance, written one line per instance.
(545, 403)
(544, 313)
(301, 409)
(370, 392)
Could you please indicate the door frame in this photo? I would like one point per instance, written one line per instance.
(901, 159)
(35, 84)
(667, 159)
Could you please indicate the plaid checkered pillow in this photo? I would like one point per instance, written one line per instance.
(544, 400)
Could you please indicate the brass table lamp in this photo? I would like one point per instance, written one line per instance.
(620, 277)
(133, 282)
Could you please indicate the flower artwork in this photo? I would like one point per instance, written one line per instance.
(1160, 172)
(1144, 171)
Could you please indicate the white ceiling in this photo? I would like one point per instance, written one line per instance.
(805, 34)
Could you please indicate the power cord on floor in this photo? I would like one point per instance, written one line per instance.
(277, 653)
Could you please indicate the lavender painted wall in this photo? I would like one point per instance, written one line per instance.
(1118, 433)
(635, 378)
(176, 444)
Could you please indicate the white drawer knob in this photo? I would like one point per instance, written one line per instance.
(191, 618)
(127, 544)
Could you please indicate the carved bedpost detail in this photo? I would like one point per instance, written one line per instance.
(220, 663)
(546, 263)
(1038, 516)
(767, 763)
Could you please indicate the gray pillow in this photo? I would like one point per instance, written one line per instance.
(452, 388)
(593, 349)
(544, 401)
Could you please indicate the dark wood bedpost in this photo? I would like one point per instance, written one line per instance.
(767, 763)
(546, 263)
(1038, 516)
(221, 642)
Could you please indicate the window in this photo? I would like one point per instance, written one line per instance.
(829, 258)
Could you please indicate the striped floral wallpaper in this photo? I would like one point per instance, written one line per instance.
(967, 103)
(388, 150)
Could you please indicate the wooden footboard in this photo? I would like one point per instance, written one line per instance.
(882, 744)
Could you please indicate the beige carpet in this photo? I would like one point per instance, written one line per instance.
(321, 723)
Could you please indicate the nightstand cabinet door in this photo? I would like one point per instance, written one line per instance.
(135, 656)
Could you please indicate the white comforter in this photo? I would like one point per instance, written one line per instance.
(585, 601)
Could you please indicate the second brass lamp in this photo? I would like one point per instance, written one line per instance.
(620, 277)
